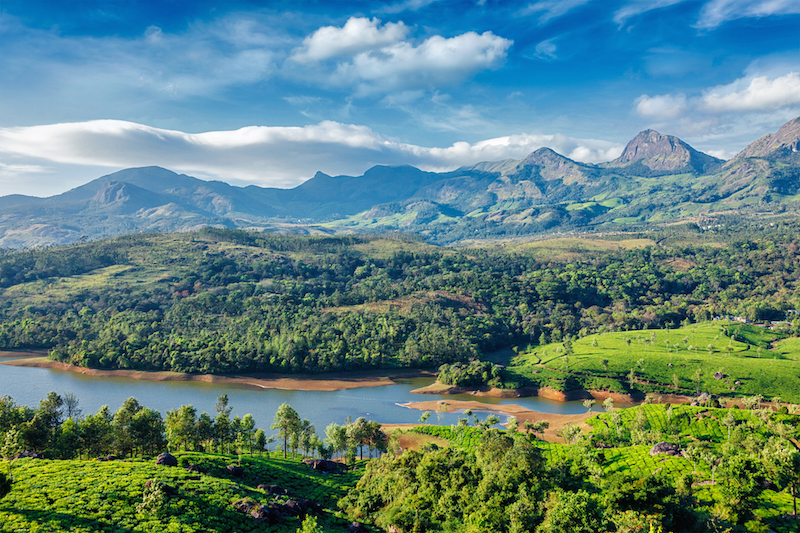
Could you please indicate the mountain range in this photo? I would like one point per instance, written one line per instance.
(657, 178)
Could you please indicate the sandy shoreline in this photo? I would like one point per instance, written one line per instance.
(306, 382)
(557, 421)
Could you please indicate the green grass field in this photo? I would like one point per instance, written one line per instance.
(762, 360)
(89, 496)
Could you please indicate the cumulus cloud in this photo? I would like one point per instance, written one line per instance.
(750, 94)
(436, 61)
(357, 35)
(661, 106)
(726, 116)
(717, 12)
(265, 156)
(760, 94)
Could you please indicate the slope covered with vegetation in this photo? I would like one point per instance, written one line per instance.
(231, 301)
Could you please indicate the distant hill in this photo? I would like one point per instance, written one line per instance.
(658, 178)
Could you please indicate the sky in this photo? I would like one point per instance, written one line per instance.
(268, 93)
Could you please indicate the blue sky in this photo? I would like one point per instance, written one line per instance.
(267, 93)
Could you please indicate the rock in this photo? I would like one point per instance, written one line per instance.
(737, 382)
(323, 465)
(112, 458)
(308, 505)
(166, 459)
(29, 455)
(262, 513)
(195, 468)
(273, 489)
(243, 506)
(164, 487)
(356, 527)
(718, 375)
(292, 508)
(236, 471)
(665, 447)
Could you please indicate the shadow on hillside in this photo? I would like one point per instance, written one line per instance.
(67, 521)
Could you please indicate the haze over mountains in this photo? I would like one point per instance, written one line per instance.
(658, 178)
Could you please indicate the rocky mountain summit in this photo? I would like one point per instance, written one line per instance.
(658, 178)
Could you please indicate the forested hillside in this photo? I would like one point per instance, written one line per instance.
(231, 301)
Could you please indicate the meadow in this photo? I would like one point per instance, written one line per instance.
(723, 358)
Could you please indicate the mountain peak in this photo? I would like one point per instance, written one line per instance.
(663, 153)
(786, 141)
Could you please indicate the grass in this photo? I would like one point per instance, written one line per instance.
(88, 496)
(764, 362)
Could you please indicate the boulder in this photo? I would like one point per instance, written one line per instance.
(164, 487)
(273, 489)
(262, 513)
(243, 506)
(195, 469)
(356, 527)
(308, 505)
(718, 375)
(234, 470)
(323, 465)
(292, 508)
(166, 459)
(665, 447)
(29, 455)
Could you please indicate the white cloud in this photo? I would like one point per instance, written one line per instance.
(408, 5)
(661, 106)
(760, 94)
(728, 116)
(436, 61)
(750, 94)
(266, 156)
(357, 35)
(551, 9)
(637, 7)
(717, 12)
(546, 50)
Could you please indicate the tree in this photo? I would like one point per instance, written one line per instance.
(310, 525)
(570, 432)
(123, 438)
(180, 426)
(261, 441)
(608, 404)
(740, 487)
(147, 430)
(424, 417)
(71, 406)
(358, 434)
(247, 431)
(588, 404)
(287, 421)
(576, 512)
(729, 420)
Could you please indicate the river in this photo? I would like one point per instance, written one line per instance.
(29, 385)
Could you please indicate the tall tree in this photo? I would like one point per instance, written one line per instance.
(287, 421)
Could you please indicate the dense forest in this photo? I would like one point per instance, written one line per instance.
(223, 301)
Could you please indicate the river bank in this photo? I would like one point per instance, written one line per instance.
(299, 382)
(556, 421)
(548, 393)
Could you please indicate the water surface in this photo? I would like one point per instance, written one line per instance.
(29, 385)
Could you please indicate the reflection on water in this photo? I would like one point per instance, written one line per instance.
(29, 385)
